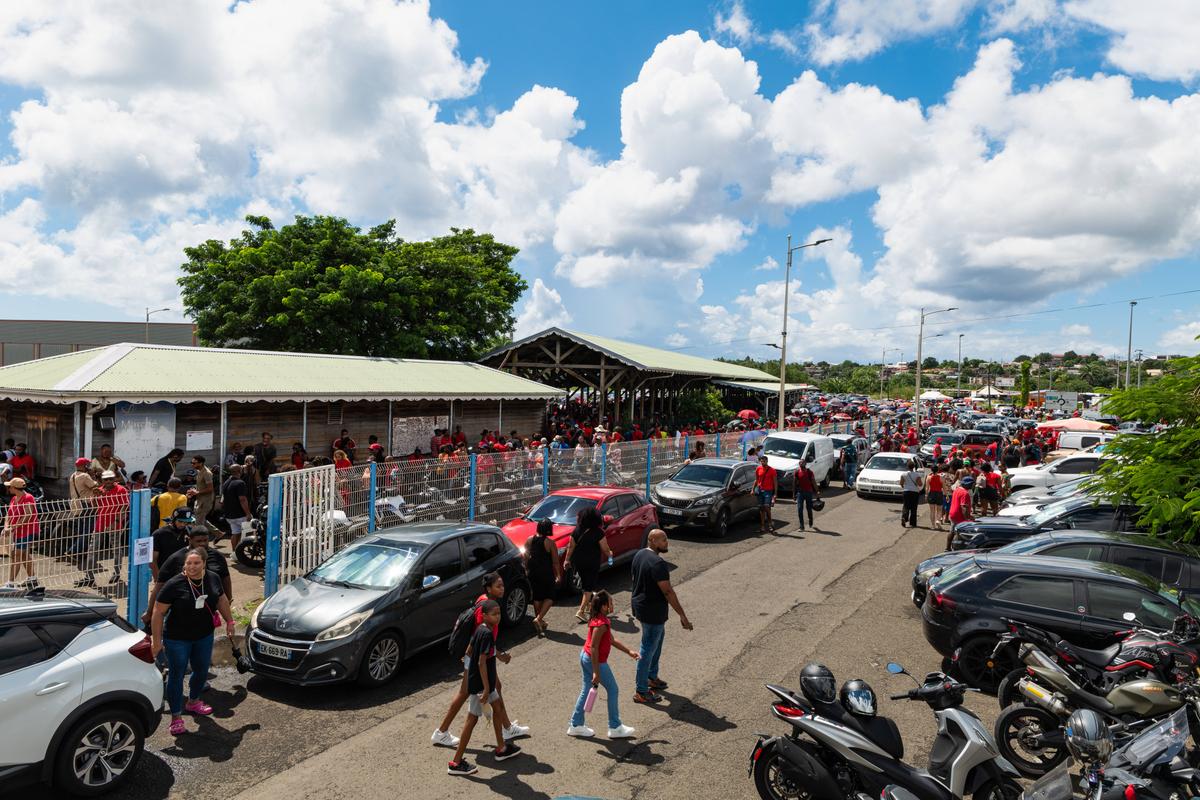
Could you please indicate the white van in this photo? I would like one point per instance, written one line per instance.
(1082, 440)
(786, 450)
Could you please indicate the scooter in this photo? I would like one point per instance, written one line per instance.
(832, 754)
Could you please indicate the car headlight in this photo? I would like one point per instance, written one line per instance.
(254, 617)
(707, 500)
(654, 495)
(344, 627)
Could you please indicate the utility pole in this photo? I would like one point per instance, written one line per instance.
(787, 280)
(1129, 344)
(958, 378)
(1139, 369)
(920, 340)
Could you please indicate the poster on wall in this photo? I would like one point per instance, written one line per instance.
(198, 440)
(143, 433)
(412, 432)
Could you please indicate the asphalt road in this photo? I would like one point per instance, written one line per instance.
(762, 605)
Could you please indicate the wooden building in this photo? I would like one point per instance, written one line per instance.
(146, 399)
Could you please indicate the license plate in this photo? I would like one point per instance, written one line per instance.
(273, 650)
(671, 512)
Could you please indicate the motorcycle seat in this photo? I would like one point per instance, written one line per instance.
(1096, 658)
(880, 730)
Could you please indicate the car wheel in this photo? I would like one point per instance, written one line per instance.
(516, 602)
(381, 661)
(977, 666)
(100, 753)
(720, 528)
(825, 481)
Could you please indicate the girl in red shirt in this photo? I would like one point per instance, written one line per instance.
(934, 497)
(593, 662)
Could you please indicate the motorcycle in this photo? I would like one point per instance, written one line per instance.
(252, 549)
(832, 754)
(1155, 764)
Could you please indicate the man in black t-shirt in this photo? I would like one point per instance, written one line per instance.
(652, 597)
(483, 685)
(235, 503)
(170, 537)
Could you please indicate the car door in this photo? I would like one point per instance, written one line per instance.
(1093, 518)
(483, 550)
(1143, 559)
(1070, 468)
(614, 531)
(741, 489)
(1046, 601)
(439, 607)
(37, 692)
(1107, 604)
(633, 523)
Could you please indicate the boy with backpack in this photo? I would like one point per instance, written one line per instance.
(483, 687)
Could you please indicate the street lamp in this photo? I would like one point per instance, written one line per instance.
(882, 360)
(958, 377)
(1129, 344)
(150, 311)
(787, 279)
(920, 341)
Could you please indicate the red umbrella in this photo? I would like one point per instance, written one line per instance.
(748, 413)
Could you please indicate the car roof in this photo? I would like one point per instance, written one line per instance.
(431, 532)
(720, 462)
(19, 604)
(796, 436)
(1067, 567)
(1114, 537)
(595, 492)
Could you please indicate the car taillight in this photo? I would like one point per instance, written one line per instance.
(941, 602)
(143, 651)
(789, 711)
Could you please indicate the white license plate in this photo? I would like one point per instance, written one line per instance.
(274, 650)
(670, 512)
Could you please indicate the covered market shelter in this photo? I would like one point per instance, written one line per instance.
(145, 400)
(615, 375)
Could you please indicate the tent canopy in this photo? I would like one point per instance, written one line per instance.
(933, 394)
(1076, 424)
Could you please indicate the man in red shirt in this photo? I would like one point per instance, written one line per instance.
(112, 511)
(22, 463)
(459, 437)
(21, 527)
(764, 487)
(960, 506)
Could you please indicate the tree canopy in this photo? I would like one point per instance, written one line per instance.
(1160, 473)
(321, 285)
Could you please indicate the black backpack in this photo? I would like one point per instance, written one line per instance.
(460, 634)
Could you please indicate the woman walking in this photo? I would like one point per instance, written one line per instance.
(185, 613)
(935, 497)
(585, 552)
(545, 572)
(593, 662)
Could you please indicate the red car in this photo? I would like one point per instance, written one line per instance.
(627, 516)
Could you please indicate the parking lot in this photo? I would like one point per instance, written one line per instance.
(762, 606)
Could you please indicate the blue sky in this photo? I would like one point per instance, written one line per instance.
(1031, 162)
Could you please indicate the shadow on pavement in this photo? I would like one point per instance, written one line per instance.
(508, 782)
(682, 709)
(209, 740)
(631, 751)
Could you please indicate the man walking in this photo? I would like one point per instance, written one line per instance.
(235, 504)
(652, 597)
(910, 485)
(264, 456)
(849, 463)
(203, 497)
(764, 489)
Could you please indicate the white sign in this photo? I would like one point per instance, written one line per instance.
(1064, 401)
(144, 433)
(142, 551)
(199, 440)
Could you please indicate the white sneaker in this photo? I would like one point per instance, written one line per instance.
(515, 731)
(443, 739)
(582, 731)
(623, 732)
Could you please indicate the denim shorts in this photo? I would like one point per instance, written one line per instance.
(765, 498)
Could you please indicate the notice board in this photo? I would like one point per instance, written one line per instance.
(410, 432)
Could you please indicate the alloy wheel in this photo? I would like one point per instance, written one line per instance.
(103, 753)
(516, 604)
(383, 659)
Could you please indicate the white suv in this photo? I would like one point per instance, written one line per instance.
(1047, 476)
(79, 692)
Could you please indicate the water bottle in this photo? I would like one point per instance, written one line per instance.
(590, 702)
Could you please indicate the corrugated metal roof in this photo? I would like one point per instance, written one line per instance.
(649, 358)
(148, 373)
(93, 334)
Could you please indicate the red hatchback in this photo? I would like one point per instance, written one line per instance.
(627, 516)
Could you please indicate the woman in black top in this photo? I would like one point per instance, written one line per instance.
(545, 571)
(185, 613)
(586, 551)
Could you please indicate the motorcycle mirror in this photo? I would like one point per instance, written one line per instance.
(896, 669)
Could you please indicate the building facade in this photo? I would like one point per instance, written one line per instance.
(25, 340)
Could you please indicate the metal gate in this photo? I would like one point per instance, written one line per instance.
(301, 520)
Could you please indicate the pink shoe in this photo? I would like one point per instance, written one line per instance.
(198, 707)
(177, 727)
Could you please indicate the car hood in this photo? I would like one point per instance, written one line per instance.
(881, 475)
(943, 561)
(306, 607)
(1021, 511)
(991, 523)
(783, 463)
(519, 530)
(1022, 472)
(684, 491)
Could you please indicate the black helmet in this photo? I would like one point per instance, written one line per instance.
(817, 683)
(1088, 738)
(858, 697)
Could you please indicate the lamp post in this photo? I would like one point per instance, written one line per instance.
(150, 311)
(882, 361)
(1129, 344)
(958, 377)
(787, 279)
(920, 339)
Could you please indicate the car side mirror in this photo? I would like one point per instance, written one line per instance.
(608, 519)
(430, 581)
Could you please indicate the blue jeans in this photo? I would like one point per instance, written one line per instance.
(851, 468)
(608, 681)
(179, 653)
(650, 650)
(804, 500)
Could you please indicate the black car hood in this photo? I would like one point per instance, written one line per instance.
(304, 607)
(944, 560)
(993, 524)
(685, 491)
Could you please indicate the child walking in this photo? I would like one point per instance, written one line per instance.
(593, 661)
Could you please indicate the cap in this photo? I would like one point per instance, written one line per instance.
(108, 474)
(17, 483)
(82, 462)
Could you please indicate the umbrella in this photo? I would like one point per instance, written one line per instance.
(748, 413)
(1076, 424)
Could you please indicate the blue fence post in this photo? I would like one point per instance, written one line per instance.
(371, 496)
(685, 447)
(649, 464)
(744, 443)
(547, 453)
(139, 574)
(604, 463)
(274, 534)
(718, 445)
(471, 492)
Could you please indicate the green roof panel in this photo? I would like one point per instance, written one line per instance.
(658, 360)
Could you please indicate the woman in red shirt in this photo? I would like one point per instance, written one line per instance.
(934, 497)
(593, 662)
(960, 505)
(21, 527)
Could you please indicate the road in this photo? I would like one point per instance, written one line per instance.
(762, 605)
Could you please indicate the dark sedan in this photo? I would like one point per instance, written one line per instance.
(1082, 601)
(370, 605)
(988, 533)
(1175, 564)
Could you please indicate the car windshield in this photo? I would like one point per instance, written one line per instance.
(891, 463)
(561, 509)
(785, 448)
(1055, 510)
(702, 475)
(1069, 488)
(374, 564)
(1021, 546)
(945, 438)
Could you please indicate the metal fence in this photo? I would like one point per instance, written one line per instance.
(301, 523)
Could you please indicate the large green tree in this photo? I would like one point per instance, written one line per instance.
(321, 285)
(1160, 473)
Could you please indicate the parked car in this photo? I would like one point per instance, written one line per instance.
(1082, 601)
(1029, 501)
(1175, 564)
(79, 692)
(370, 605)
(861, 446)
(1050, 475)
(1087, 513)
(709, 492)
(1084, 440)
(947, 440)
(786, 450)
(975, 443)
(627, 519)
(881, 476)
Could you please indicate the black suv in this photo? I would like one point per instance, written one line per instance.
(1081, 511)
(712, 492)
(1082, 601)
